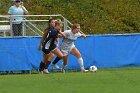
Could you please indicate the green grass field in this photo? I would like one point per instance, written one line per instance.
(103, 81)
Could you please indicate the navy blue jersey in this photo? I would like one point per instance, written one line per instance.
(49, 41)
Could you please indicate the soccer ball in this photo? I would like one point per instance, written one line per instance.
(93, 68)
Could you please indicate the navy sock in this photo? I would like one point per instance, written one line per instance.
(56, 60)
(42, 66)
(47, 64)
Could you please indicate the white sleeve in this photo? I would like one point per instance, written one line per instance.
(66, 32)
(78, 34)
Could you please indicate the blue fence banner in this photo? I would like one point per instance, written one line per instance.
(104, 51)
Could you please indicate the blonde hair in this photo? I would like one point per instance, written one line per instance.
(58, 22)
(74, 26)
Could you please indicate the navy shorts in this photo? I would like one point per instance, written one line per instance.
(48, 51)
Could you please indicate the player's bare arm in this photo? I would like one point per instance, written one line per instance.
(42, 39)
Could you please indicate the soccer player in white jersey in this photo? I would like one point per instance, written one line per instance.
(68, 46)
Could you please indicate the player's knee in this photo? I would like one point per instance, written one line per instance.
(60, 55)
(78, 55)
(51, 57)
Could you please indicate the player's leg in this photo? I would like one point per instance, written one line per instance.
(65, 61)
(49, 58)
(54, 63)
(58, 53)
(43, 62)
(46, 60)
(74, 51)
(59, 57)
(51, 55)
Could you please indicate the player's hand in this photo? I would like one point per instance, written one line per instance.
(64, 36)
(39, 47)
(83, 35)
(59, 35)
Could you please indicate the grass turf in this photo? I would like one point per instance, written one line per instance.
(103, 81)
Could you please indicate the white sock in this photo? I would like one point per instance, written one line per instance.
(80, 60)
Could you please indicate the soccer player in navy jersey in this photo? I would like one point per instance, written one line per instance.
(48, 44)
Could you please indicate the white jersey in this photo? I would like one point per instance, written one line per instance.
(68, 42)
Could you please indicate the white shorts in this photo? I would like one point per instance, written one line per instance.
(68, 50)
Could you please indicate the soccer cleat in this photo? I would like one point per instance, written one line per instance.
(84, 71)
(55, 66)
(45, 71)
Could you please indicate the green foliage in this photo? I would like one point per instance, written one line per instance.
(95, 16)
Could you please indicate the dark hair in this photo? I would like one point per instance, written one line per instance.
(50, 20)
(17, 0)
